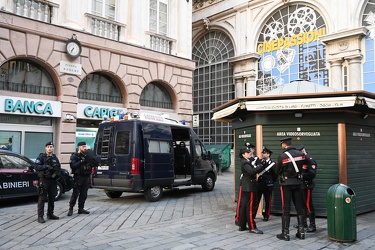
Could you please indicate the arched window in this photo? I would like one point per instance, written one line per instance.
(212, 85)
(27, 77)
(99, 87)
(298, 54)
(155, 95)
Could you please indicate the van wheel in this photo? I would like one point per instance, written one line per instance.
(153, 193)
(209, 184)
(113, 194)
(59, 191)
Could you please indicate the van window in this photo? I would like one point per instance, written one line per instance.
(122, 143)
(156, 146)
(198, 148)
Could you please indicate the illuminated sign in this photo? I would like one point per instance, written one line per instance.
(23, 106)
(284, 42)
(85, 111)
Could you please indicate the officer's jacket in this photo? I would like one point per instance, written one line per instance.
(285, 168)
(309, 172)
(79, 165)
(249, 168)
(48, 167)
(268, 177)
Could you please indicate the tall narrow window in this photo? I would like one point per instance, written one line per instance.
(104, 8)
(213, 85)
(159, 16)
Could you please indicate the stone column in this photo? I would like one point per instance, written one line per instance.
(354, 82)
(239, 87)
(336, 74)
(244, 73)
(251, 84)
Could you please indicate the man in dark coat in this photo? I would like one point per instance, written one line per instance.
(265, 183)
(289, 169)
(250, 166)
(49, 170)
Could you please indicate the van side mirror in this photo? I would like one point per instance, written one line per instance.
(209, 156)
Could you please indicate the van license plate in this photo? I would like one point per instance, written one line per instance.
(103, 167)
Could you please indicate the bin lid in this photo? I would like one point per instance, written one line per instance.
(217, 148)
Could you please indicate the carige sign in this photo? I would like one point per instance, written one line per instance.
(85, 111)
(23, 106)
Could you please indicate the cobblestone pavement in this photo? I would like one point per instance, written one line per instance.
(183, 219)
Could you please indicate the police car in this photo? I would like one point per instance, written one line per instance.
(19, 179)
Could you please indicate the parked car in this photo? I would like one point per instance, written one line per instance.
(19, 179)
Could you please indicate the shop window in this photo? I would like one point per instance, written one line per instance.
(155, 95)
(27, 77)
(99, 87)
(10, 140)
(35, 143)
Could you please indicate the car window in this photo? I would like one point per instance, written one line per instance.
(13, 162)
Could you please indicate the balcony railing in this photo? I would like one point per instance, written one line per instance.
(33, 9)
(104, 27)
(27, 88)
(99, 97)
(160, 44)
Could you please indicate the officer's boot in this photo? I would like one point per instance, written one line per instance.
(305, 218)
(285, 221)
(301, 230)
(312, 227)
(41, 210)
(70, 212)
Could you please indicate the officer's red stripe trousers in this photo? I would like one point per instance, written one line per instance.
(238, 204)
(251, 211)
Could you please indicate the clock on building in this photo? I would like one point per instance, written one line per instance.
(73, 47)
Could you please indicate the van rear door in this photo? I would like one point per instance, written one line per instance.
(158, 154)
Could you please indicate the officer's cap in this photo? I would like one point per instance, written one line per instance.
(266, 150)
(300, 147)
(249, 145)
(49, 143)
(284, 139)
(82, 143)
(244, 150)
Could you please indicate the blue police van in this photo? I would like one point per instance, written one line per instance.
(149, 153)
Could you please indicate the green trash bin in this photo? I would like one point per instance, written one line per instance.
(341, 213)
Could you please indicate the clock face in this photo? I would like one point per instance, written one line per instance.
(73, 49)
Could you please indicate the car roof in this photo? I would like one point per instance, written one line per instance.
(8, 152)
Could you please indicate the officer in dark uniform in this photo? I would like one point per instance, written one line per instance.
(49, 170)
(250, 166)
(265, 183)
(289, 169)
(81, 164)
(308, 176)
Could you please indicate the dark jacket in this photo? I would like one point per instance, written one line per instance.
(285, 168)
(309, 172)
(269, 176)
(48, 167)
(80, 165)
(249, 168)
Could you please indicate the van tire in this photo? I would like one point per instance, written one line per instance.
(113, 194)
(153, 193)
(209, 184)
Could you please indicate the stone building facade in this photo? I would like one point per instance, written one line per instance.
(132, 56)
